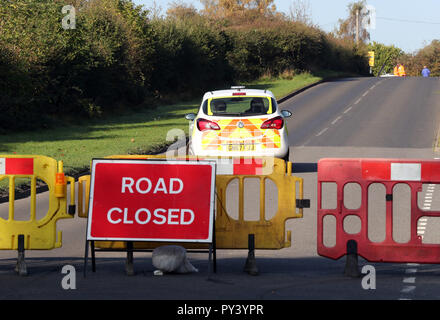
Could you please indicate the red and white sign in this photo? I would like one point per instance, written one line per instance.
(16, 166)
(150, 200)
(239, 166)
(401, 170)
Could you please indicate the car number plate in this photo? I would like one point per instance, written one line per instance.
(241, 147)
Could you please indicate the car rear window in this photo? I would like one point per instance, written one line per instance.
(239, 106)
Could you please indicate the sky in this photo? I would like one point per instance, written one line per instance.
(407, 24)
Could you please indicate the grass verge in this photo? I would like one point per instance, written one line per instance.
(281, 87)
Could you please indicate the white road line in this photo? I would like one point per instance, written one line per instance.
(409, 280)
(336, 120)
(358, 100)
(348, 109)
(365, 93)
(308, 140)
(411, 270)
(322, 131)
(422, 222)
(408, 289)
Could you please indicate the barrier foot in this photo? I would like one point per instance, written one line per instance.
(251, 265)
(92, 247)
(129, 270)
(21, 268)
(351, 263)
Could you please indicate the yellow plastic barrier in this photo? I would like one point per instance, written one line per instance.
(269, 234)
(35, 234)
(232, 233)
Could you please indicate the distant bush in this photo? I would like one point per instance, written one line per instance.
(289, 46)
(428, 56)
(51, 72)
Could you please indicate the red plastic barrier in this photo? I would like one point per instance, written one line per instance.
(388, 172)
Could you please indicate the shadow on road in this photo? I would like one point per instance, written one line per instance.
(279, 278)
(304, 167)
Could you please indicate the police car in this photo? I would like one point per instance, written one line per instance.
(239, 122)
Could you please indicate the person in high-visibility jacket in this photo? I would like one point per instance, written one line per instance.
(402, 72)
(396, 70)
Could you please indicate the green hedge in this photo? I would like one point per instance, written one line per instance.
(118, 58)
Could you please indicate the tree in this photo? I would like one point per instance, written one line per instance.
(427, 56)
(354, 27)
(230, 8)
(181, 11)
(299, 11)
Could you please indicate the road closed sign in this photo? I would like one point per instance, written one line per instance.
(149, 200)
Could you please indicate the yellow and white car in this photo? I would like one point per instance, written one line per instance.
(239, 122)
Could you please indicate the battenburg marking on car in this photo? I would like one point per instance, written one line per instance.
(240, 135)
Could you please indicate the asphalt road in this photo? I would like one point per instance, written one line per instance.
(355, 117)
(371, 118)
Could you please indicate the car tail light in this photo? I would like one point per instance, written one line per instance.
(239, 93)
(274, 123)
(203, 124)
